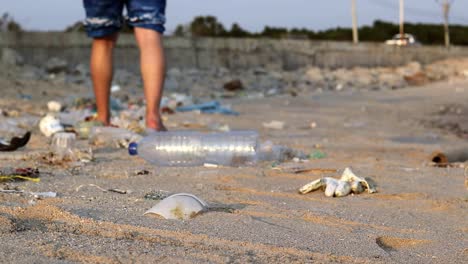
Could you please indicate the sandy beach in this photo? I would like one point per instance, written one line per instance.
(417, 216)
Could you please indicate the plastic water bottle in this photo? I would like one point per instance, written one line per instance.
(189, 148)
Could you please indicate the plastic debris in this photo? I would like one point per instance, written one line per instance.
(191, 148)
(115, 88)
(15, 143)
(83, 128)
(317, 155)
(119, 191)
(453, 159)
(348, 183)
(348, 175)
(50, 125)
(271, 152)
(19, 174)
(213, 107)
(44, 194)
(278, 125)
(63, 144)
(54, 106)
(181, 206)
(112, 136)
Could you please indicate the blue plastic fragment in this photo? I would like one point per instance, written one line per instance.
(213, 107)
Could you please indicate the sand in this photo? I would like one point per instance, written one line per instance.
(417, 216)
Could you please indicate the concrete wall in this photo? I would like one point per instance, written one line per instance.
(37, 47)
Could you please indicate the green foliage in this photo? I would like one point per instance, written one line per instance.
(431, 34)
(207, 26)
(238, 32)
(7, 23)
(77, 27)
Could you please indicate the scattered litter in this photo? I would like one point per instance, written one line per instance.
(15, 143)
(234, 85)
(270, 152)
(26, 97)
(317, 154)
(348, 183)
(44, 194)
(112, 136)
(349, 176)
(300, 168)
(454, 159)
(83, 128)
(167, 110)
(50, 125)
(220, 127)
(142, 172)
(439, 159)
(120, 191)
(54, 106)
(191, 125)
(115, 88)
(89, 185)
(278, 125)
(63, 144)
(210, 165)
(76, 155)
(115, 190)
(236, 148)
(213, 107)
(11, 191)
(181, 206)
(19, 174)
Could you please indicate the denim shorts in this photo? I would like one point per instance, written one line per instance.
(105, 17)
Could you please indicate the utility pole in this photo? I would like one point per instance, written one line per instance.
(446, 10)
(402, 18)
(355, 23)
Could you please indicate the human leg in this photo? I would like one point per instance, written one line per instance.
(101, 65)
(103, 21)
(152, 66)
(147, 16)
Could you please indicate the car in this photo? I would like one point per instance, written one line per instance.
(402, 40)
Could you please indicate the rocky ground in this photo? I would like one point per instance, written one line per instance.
(384, 123)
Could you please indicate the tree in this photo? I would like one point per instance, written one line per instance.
(274, 32)
(207, 26)
(238, 32)
(182, 31)
(7, 23)
(77, 27)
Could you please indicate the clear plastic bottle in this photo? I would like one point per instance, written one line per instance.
(63, 144)
(189, 148)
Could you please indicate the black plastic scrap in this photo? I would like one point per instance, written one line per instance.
(16, 143)
(19, 174)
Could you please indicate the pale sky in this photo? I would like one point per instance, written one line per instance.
(250, 14)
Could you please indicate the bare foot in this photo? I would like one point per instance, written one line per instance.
(155, 124)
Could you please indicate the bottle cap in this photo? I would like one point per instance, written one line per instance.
(133, 149)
